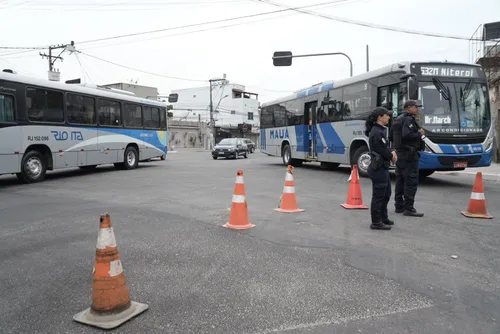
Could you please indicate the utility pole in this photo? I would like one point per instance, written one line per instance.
(54, 76)
(367, 59)
(212, 122)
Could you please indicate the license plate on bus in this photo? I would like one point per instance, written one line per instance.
(460, 164)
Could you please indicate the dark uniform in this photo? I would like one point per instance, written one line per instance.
(378, 171)
(408, 143)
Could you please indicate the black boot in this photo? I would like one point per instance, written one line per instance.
(413, 213)
(379, 226)
(388, 221)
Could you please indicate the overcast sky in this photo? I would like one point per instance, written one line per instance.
(243, 49)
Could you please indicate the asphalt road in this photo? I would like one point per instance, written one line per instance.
(319, 271)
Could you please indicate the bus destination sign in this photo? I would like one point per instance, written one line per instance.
(440, 70)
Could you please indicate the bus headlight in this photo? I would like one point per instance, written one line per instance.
(489, 144)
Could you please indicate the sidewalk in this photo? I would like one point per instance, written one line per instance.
(491, 173)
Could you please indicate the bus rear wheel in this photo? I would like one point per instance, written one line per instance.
(286, 154)
(130, 159)
(33, 167)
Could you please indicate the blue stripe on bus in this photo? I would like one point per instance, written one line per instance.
(332, 139)
(157, 138)
(312, 91)
(327, 86)
(301, 94)
(466, 148)
(319, 144)
(447, 149)
(477, 148)
(299, 135)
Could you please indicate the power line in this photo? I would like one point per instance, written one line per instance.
(21, 48)
(364, 24)
(166, 76)
(138, 70)
(203, 23)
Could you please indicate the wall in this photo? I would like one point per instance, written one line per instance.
(187, 134)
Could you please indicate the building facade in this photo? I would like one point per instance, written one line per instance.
(235, 111)
(145, 92)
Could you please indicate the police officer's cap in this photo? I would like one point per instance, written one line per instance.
(411, 103)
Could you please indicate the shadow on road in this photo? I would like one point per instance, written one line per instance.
(10, 181)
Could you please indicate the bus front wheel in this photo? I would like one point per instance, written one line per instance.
(33, 167)
(362, 159)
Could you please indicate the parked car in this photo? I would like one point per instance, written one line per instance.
(250, 144)
(230, 148)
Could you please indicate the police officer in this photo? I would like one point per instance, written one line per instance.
(378, 171)
(408, 140)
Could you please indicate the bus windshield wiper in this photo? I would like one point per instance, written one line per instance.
(467, 89)
(445, 91)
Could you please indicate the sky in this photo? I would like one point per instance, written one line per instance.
(242, 49)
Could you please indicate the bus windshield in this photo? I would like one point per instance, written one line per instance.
(466, 110)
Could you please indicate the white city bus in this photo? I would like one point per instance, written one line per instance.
(46, 125)
(325, 122)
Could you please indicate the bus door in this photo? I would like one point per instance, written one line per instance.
(310, 112)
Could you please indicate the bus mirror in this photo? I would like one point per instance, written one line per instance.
(173, 97)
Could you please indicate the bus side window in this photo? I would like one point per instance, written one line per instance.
(6, 109)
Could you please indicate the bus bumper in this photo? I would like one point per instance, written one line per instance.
(449, 162)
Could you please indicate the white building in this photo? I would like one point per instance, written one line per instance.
(232, 105)
(146, 92)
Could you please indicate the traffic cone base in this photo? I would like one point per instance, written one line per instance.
(238, 217)
(111, 305)
(354, 197)
(476, 215)
(477, 201)
(288, 201)
(238, 227)
(354, 206)
(289, 210)
(111, 320)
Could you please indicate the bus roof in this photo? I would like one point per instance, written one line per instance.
(403, 66)
(94, 90)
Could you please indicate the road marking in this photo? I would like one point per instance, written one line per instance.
(346, 319)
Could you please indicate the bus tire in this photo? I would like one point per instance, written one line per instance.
(131, 158)
(33, 167)
(286, 154)
(361, 159)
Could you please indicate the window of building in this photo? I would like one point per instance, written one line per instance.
(109, 113)
(132, 115)
(44, 105)
(80, 109)
(250, 116)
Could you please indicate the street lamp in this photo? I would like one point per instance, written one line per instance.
(284, 58)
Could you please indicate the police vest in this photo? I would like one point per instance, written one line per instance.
(397, 134)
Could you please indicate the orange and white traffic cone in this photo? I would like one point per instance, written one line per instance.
(477, 201)
(288, 202)
(238, 217)
(354, 196)
(111, 305)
